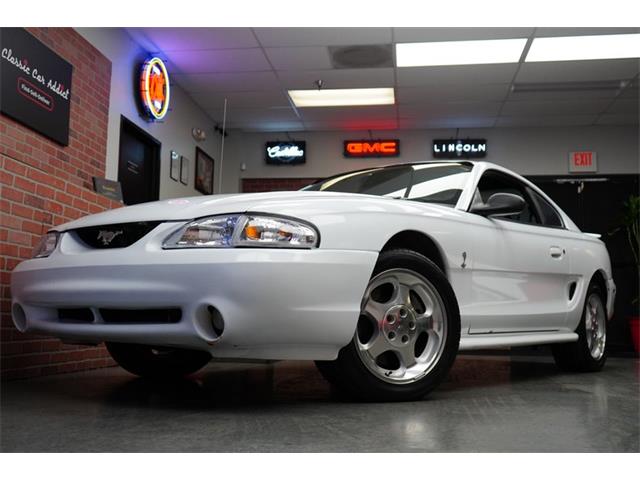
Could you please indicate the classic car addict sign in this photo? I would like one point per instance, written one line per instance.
(35, 84)
(459, 148)
(371, 148)
(285, 153)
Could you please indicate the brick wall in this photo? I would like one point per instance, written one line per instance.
(44, 184)
(251, 185)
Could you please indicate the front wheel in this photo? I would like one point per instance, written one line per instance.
(157, 362)
(407, 335)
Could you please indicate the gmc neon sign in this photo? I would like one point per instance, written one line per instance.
(371, 148)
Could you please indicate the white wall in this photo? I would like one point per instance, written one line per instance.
(174, 132)
(528, 151)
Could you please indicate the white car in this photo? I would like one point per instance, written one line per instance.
(381, 276)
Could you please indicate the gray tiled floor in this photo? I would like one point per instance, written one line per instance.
(487, 404)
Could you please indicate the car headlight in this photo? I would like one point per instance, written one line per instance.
(249, 230)
(47, 245)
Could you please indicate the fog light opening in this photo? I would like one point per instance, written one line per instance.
(217, 322)
(19, 317)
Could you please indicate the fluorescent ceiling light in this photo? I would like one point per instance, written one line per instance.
(342, 97)
(471, 52)
(588, 47)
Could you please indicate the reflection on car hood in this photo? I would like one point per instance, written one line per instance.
(194, 207)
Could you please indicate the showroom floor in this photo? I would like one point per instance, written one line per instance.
(489, 403)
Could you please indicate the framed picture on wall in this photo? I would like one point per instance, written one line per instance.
(174, 172)
(184, 170)
(204, 172)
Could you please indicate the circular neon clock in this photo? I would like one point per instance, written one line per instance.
(154, 88)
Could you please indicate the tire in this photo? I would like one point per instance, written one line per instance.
(155, 362)
(580, 356)
(420, 324)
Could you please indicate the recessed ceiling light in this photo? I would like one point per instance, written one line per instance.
(471, 52)
(342, 97)
(587, 47)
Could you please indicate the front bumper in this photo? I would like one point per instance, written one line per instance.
(275, 303)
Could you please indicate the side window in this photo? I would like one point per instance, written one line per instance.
(550, 217)
(496, 182)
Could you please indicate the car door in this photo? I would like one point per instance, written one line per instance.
(520, 266)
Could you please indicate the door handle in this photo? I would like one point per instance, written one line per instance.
(556, 252)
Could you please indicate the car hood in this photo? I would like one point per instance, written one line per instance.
(194, 207)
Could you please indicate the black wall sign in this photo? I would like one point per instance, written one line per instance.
(467, 148)
(285, 153)
(108, 188)
(35, 84)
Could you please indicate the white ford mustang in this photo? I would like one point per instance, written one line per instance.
(380, 275)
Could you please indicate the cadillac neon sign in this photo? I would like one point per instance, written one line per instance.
(371, 148)
(154, 88)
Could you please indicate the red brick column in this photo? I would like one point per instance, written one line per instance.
(44, 184)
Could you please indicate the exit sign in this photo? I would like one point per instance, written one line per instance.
(583, 162)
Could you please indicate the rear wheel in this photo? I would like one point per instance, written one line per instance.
(407, 335)
(157, 362)
(589, 353)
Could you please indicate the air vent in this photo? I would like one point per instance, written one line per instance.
(361, 56)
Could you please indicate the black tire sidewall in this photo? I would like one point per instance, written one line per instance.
(355, 377)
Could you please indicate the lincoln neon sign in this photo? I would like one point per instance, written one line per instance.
(371, 148)
(468, 148)
(154, 88)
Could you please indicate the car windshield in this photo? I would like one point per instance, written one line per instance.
(427, 182)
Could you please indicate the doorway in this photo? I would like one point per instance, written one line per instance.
(595, 204)
(138, 164)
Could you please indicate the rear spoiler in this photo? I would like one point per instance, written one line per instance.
(595, 235)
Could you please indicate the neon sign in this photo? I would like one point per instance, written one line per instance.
(154, 88)
(469, 148)
(371, 148)
(285, 153)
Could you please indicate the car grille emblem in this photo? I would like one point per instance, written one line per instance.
(107, 236)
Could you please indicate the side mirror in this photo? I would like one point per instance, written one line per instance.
(500, 204)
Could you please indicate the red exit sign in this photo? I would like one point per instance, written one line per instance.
(371, 148)
(585, 161)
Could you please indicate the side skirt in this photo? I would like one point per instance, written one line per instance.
(496, 340)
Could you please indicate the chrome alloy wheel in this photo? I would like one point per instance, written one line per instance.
(402, 327)
(595, 324)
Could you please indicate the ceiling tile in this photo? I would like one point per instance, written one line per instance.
(261, 99)
(255, 115)
(545, 120)
(447, 121)
(353, 124)
(214, 83)
(579, 71)
(617, 119)
(316, 36)
(479, 109)
(579, 31)
(455, 75)
(549, 107)
(299, 58)
(451, 93)
(342, 78)
(624, 106)
(563, 95)
(218, 61)
(429, 34)
(168, 39)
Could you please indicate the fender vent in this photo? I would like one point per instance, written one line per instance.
(118, 235)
